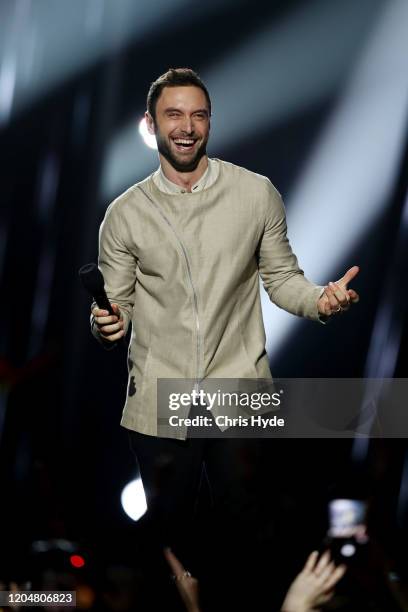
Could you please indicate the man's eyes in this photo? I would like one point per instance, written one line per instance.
(177, 115)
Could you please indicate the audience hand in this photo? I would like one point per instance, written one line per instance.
(187, 586)
(314, 586)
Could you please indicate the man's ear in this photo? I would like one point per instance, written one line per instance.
(150, 123)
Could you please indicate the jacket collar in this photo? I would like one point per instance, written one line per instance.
(206, 180)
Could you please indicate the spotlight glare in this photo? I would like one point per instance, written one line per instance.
(149, 139)
(133, 499)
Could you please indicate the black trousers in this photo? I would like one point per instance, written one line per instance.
(214, 544)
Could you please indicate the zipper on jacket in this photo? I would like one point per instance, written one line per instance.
(190, 276)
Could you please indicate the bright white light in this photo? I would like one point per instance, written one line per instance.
(348, 550)
(133, 499)
(8, 72)
(283, 88)
(72, 36)
(346, 184)
(149, 139)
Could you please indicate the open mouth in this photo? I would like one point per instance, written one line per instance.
(184, 144)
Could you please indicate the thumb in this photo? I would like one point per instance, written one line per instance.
(116, 310)
(349, 275)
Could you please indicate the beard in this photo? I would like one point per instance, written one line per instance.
(178, 162)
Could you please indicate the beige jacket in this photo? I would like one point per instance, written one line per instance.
(184, 269)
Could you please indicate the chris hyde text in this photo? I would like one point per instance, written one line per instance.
(225, 421)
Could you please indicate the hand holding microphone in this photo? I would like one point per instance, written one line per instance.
(108, 317)
(110, 327)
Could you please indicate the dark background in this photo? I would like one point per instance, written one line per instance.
(64, 457)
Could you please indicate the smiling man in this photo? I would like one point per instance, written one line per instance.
(180, 120)
(181, 253)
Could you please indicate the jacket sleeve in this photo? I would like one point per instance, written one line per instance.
(281, 275)
(118, 266)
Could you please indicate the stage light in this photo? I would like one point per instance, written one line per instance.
(347, 180)
(284, 53)
(34, 60)
(149, 139)
(134, 500)
(127, 160)
(77, 561)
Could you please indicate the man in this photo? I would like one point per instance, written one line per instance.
(181, 253)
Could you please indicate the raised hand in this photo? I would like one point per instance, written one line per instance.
(314, 586)
(337, 297)
(186, 584)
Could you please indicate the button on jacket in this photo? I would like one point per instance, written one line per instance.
(184, 269)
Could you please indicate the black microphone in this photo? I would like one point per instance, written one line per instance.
(93, 281)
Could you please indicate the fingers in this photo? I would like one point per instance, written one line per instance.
(338, 296)
(334, 578)
(109, 324)
(111, 327)
(349, 275)
(341, 295)
(322, 564)
(175, 565)
(353, 295)
(328, 575)
(112, 337)
(311, 561)
(98, 312)
(102, 317)
(337, 299)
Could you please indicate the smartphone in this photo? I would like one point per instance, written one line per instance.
(347, 537)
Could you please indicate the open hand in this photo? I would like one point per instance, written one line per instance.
(314, 586)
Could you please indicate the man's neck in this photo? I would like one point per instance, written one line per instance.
(186, 180)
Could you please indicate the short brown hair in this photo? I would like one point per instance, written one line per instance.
(174, 77)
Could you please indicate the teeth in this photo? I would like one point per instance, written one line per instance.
(184, 141)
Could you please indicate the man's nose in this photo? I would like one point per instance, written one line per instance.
(187, 125)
